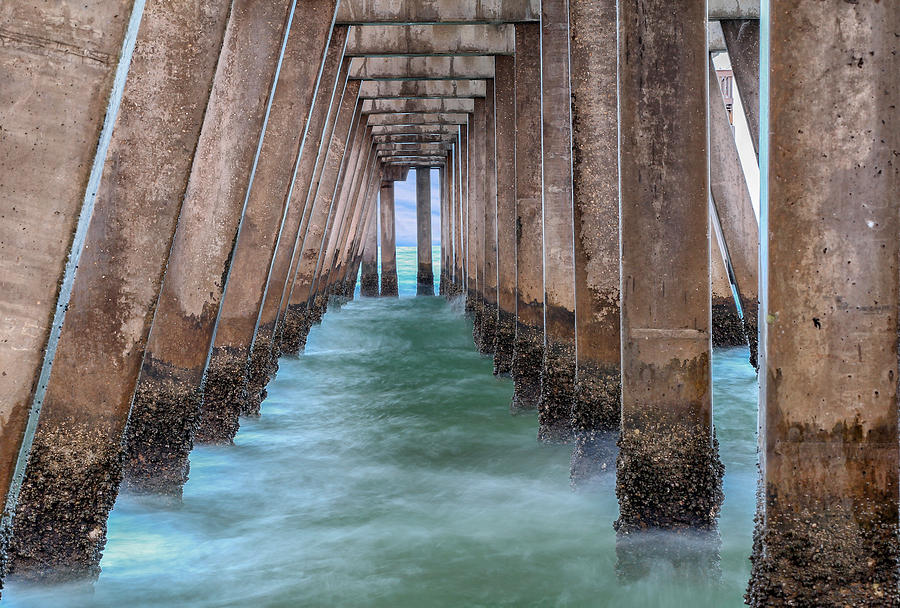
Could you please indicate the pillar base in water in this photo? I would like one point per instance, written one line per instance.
(668, 476)
(71, 485)
(504, 341)
(557, 393)
(389, 285)
(751, 329)
(528, 357)
(263, 366)
(368, 285)
(160, 433)
(225, 393)
(444, 284)
(295, 329)
(727, 327)
(477, 313)
(595, 421)
(826, 555)
(425, 283)
(488, 337)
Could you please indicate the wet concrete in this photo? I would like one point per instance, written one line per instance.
(295, 329)
(528, 358)
(227, 378)
(388, 240)
(159, 436)
(505, 338)
(596, 411)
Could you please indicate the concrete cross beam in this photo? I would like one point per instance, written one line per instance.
(421, 89)
(359, 12)
(732, 9)
(394, 174)
(422, 147)
(394, 155)
(418, 119)
(448, 130)
(422, 40)
(414, 138)
(422, 68)
(407, 163)
(411, 106)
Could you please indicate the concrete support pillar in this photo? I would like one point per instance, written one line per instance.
(596, 408)
(244, 323)
(311, 39)
(558, 369)
(505, 113)
(166, 407)
(668, 472)
(295, 313)
(348, 266)
(334, 148)
(489, 227)
(446, 251)
(424, 274)
(47, 158)
(388, 240)
(75, 465)
(369, 279)
(727, 327)
(827, 521)
(734, 214)
(528, 350)
(742, 40)
(475, 218)
(463, 232)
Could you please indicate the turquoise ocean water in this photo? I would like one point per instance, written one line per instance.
(386, 471)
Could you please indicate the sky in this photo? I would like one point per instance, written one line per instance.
(405, 209)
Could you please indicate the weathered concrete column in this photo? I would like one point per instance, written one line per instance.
(47, 159)
(462, 236)
(446, 251)
(558, 370)
(734, 213)
(742, 40)
(332, 159)
(235, 375)
(489, 227)
(596, 407)
(369, 279)
(528, 350)
(505, 117)
(75, 465)
(166, 407)
(425, 273)
(388, 239)
(348, 265)
(827, 524)
(668, 473)
(296, 321)
(315, 40)
(727, 327)
(474, 215)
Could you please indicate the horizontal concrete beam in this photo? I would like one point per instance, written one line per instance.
(732, 9)
(415, 148)
(715, 37)
(418, 119)
(411, 139)
(449, 130)
(421, 89)
(357, 12)
(394, 173)
(422, 68)
(405, 163)
(393, 106)
(422, 40)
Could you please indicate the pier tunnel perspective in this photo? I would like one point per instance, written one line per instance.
(449, 303)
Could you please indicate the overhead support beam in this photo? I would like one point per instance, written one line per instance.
(403, 162)
(408, 106)
(410, 155)
(422, 68)
(362, 12)
(414, 138)
(731, 9)
(422, 40)
(418, 119)
(407, 130)
(425, 89)
(424, 148)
